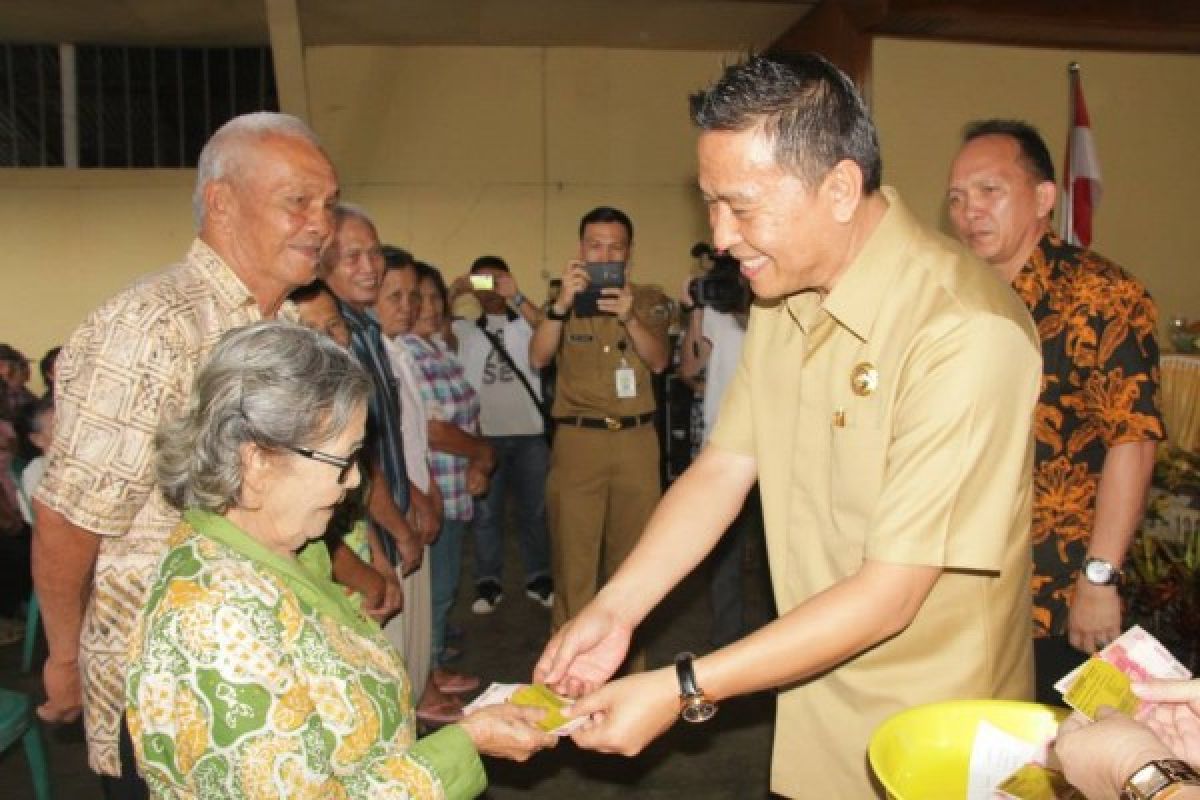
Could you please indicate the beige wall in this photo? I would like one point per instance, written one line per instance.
(464, 151)
(456, 151)
(74, 237)
(1144, 120)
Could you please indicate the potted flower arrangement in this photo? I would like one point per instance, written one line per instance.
(1163, 567)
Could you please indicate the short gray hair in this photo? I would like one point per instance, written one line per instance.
(274, 384)
(224, 154)
(342, 212)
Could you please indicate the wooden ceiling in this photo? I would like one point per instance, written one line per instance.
(657, 24)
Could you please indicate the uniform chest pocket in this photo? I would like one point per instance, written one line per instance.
(857, 461)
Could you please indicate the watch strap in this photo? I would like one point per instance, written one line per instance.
(1155, 780)
(555, 315)
(686, 675)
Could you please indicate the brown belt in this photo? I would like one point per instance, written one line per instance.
(607, 423)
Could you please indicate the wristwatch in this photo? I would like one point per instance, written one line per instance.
(693, 705)
(1154, 781)
(516, 300)
(1099, 572)
(552, 313)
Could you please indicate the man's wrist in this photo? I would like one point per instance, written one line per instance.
(517, 300)
(553, 313)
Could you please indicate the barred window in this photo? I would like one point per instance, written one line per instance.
(135, 106)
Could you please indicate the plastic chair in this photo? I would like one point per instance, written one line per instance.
(17, 722)
(33, 618)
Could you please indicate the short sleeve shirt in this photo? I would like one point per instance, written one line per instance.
(591, 351)
(890, 421)
(1100, 388)
(129, 366)
(448, 397)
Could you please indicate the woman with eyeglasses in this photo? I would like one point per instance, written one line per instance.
(253, 675)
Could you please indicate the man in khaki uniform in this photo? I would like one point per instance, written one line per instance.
(603, 481)
(884, 404)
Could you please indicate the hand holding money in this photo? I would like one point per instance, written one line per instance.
(507, 731)
(526, 695)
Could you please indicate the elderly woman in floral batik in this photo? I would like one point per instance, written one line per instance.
(252, 675)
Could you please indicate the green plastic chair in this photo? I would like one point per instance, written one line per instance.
(17, 722)
(33, 618)
(33, 614)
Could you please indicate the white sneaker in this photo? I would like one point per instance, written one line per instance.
(489, 596)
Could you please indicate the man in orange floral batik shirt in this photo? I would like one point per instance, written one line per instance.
(1097, 420)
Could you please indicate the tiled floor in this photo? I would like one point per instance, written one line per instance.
(727, 758)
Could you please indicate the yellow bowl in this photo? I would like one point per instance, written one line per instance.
(923, 753)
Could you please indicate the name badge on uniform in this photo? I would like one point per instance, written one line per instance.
(626, 382)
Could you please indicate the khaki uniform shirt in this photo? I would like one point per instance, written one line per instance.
(591, 351)
(891, 422)
(126, 368)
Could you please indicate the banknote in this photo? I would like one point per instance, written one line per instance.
(1100, 683)
(529, 694)
(1137, 654)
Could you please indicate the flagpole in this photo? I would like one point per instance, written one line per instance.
(1068, 211)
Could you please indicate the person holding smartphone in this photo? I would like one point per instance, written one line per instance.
(604, 478)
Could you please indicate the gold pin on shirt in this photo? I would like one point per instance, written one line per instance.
(865, 379)
(839, 419)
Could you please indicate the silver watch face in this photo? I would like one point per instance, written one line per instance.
(697, 709)
(1099, 572)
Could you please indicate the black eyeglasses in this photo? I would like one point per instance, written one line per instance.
(344, 465)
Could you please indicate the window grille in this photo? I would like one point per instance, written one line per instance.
(136, 106)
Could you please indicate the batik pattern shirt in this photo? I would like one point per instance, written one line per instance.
(240, 687)
(127, 367)
(450, 398)
(1100, 388)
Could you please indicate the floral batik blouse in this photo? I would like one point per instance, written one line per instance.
(251, 677)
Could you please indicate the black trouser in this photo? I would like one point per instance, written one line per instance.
(1053, 657)
(130, 785)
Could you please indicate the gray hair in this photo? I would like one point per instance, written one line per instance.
(273, 384)
(224, 154)
(342, 212)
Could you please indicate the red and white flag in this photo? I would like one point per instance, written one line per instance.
(1081, 170)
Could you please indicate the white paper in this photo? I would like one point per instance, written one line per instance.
(994, 756)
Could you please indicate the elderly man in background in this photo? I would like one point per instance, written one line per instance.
(409, 512)
(263, 204)
(1098, 421)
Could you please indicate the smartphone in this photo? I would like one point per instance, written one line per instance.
(483, 282)
(601, 275)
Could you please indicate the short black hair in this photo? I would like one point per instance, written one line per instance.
(603, 214)
(46, 364)
(12, 354)
(1035, 156)
(396, 257)
(495, 262)
(307, 292)
(434, 274)
(810, 109)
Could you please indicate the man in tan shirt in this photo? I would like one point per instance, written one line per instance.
(884, 404)
(263, 202)
(603, 480)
